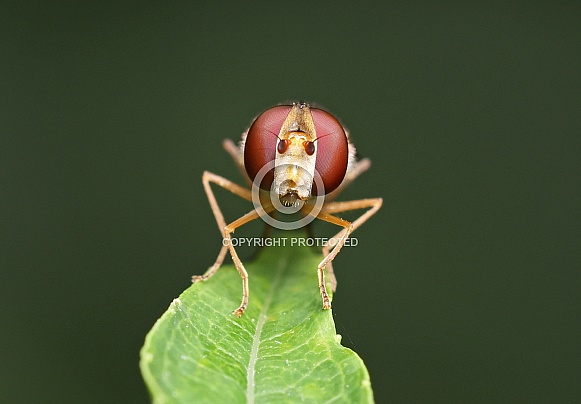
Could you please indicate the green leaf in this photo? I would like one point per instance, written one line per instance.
(283, 349)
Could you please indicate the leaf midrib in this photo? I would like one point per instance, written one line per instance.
(262, 318)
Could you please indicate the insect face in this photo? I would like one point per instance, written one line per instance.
(302, 142)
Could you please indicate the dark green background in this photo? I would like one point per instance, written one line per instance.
(464, 287)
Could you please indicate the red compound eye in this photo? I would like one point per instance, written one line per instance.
(261, 142)
(332, 150)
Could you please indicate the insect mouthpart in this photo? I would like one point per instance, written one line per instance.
(290, 194)
(290, 199)
(292, 184)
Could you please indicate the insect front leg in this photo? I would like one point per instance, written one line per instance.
(330, 252)
(331, 255)
(226, 231)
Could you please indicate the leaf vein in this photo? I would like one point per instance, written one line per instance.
(262, 318)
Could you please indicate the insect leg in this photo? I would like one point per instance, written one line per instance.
(329, 251)
(226, 231)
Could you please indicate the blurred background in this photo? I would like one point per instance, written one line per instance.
(464, 287)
